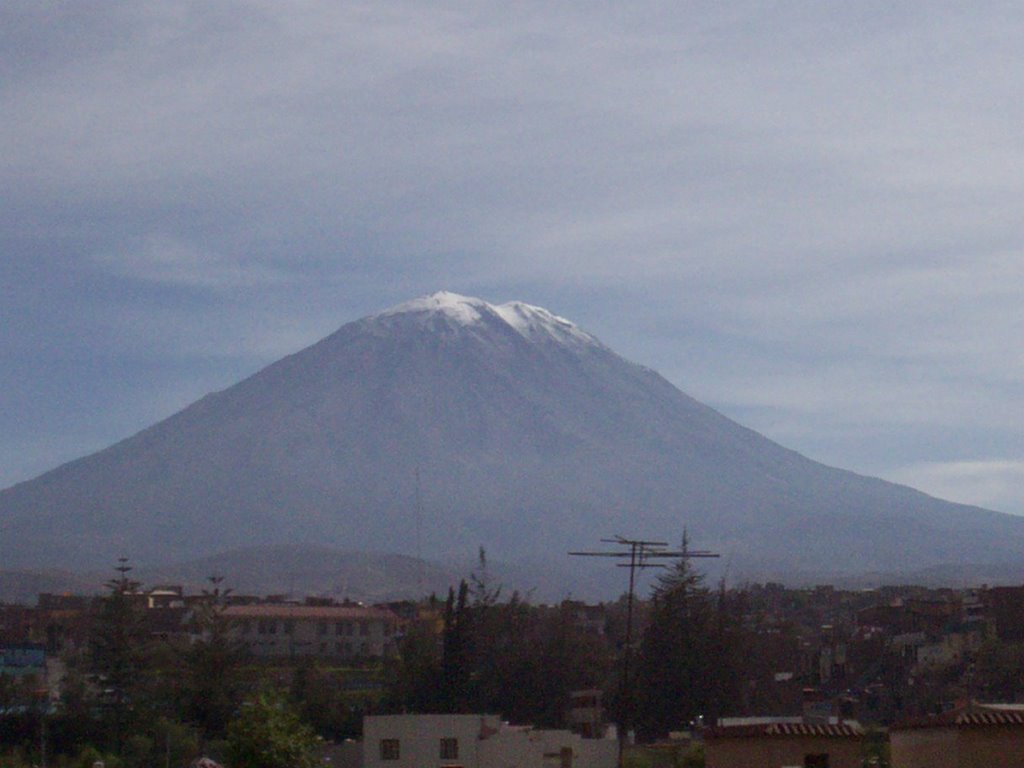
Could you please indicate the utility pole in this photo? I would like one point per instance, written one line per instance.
(419, 536)
(42, 734)
(640, 554)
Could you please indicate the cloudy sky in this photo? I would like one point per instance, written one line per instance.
(806, 214)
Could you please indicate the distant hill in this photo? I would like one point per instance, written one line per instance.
(284, 569)
(447, 423)
(300, 570)
(24, 586)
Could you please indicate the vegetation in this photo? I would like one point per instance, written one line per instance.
(115, 657)
(509, 657)
(130, 698)
(268, 733)
(210, 669)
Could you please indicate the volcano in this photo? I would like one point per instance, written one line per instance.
(448, 423)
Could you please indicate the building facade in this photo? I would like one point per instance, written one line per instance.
(973, 736)
(331, 631)
(782, 745)
(477, 741)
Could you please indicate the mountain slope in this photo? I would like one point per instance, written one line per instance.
(527, 435)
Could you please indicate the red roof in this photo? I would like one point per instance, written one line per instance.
(288, 611)
(969, 716)
(832, 731)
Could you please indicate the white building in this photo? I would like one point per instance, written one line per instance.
(476, 741)
(282, 629)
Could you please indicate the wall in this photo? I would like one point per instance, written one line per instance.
(993, 747)
(777, 751)
(503, 746)
(924, 748)
(419, 739)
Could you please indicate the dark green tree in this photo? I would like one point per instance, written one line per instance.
(116, 648)
(268, 733)
(550, 656)
(676, 671)
(212, 685)
(414, 676)
(508, 657)
(455, 694)
(321, 699)
(483, 590)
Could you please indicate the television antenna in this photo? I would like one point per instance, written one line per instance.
(637, 554)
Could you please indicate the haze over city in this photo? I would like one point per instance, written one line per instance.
(804, 215)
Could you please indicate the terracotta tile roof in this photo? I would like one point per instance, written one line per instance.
(970, 716)
(832, 731)
(287, 611)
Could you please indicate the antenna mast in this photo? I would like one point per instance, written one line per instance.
(419, 537)
(636, 554)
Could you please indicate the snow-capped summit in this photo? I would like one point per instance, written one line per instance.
(533, 323)
(536, 323)
(462, 309)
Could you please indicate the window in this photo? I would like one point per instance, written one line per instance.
(338, 627)
(321, 628)
(364, 628)
(289, 627)
(389, 749)
(450, 749)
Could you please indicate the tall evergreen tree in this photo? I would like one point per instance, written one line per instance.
(414, 676)
(116, 645)
(676, 677)
(211, 666)
(457, 652)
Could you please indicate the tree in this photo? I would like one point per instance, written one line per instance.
(321, 699)
(550, 656)
(268, 733)
(414, 676)
(457, 653)
(116, 646)
(675, 678)
(211, 681)
(483, 590)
